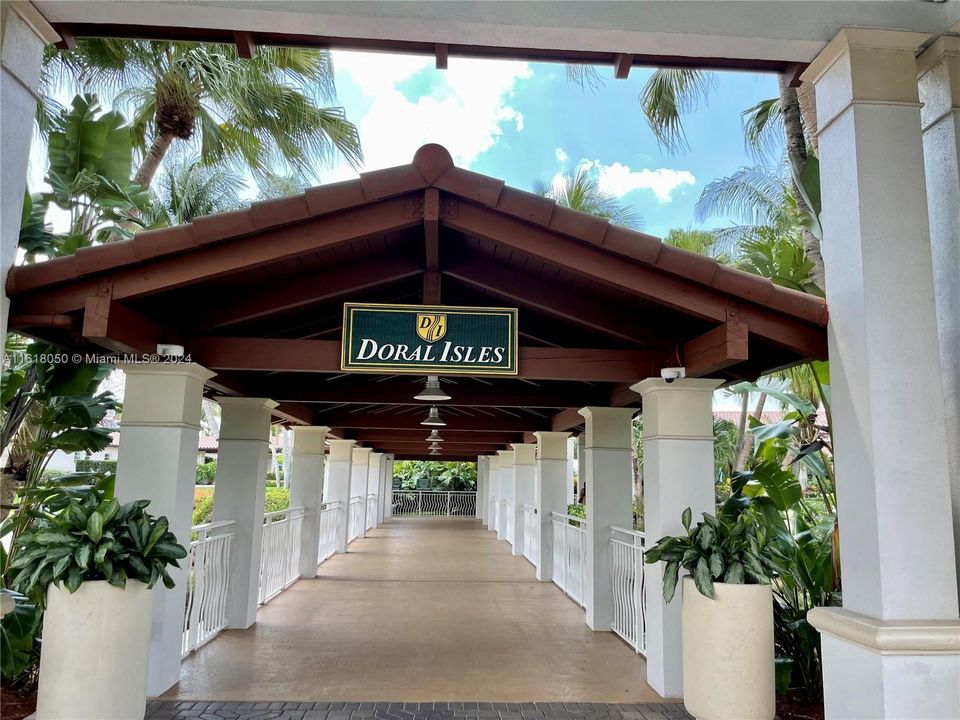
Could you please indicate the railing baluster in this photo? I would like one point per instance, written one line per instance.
(627, 575)
(207, 577)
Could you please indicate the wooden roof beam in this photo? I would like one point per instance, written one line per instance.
(718, 349)
(246, 46)
(369, 420)
(621, 66)
(116, 327)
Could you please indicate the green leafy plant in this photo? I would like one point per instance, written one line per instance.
(96, 466)
(91, 536)
(206, 473)
(717, 549)
(18, 633)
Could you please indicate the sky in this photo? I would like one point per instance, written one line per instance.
(522, 121)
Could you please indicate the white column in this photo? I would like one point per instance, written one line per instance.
(160, 431)
(243, 459)
(939, 84)
(481, 509)
(677, 474)
(524, 489)
(23, 34)
(337, 487)
(892, 650)
(581, 464)
(358, 483)
(382, 490)
(609, 475)
(493, 481)
(553, 471)
(507, 493)
(388, 487)
(306, 490)
(570, 493)
(373, 483)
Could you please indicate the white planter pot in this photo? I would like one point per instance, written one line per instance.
(728, 671)
(93, 660)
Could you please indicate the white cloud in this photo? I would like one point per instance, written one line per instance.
(562, 156)
(467, 110)
(618, 179)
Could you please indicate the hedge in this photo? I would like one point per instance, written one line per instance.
(275, 499)
(88, 465)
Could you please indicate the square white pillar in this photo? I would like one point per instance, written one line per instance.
(306, 491)
(554, 477)
(493, 490)
(360, 470)
(677, 473)
(337, 487)
(373, 486)
(609, 475)
(243, 458)
(581, 465)
(524, 489)
(160, 432)
(571, 491)
(481, 509)
(939, 85)
(890, 443)
(388, 486)
(507, 489)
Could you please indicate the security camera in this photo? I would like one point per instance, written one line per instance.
(170, 350)
(672, 373)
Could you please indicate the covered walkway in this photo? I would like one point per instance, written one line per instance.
(422, 609)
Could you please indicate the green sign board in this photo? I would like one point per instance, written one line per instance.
(429, 339)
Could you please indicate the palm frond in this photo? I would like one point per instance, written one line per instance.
(754, 195)
(586, 76)
(581, 191)
(763, 128)
(190, 189)
(667, 96)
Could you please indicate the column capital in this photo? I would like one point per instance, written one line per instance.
(679, 409)
(245, 418)
(309, 439)
(524, 453)
(552, 445)
(341, 450)
(361, 455)
(507, 457)
(163, 394)
(493, 461)
(35, 21)
(608, 427)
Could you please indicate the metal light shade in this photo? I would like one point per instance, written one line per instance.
(433, 418)
(435, 452)
(434, 436)
(435, 446)
(431, 390)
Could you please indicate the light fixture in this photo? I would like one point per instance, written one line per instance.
(431, 390)
(433, 418)
(435, 452)
(435, 446)
(434, 436)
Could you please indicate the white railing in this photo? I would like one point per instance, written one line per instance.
(443, 503)
(511, 519)
(371, 511)
(279, 551)
(531, 534)
(626, 570)
(208, 577)
(569, 555)
(356, 518)
(329, 516)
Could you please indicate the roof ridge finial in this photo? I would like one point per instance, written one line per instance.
(432, 160)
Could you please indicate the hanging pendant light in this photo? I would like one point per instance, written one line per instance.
(432, 391)
(435, 446)
(433, 418)
(435, 452)
(434, 436)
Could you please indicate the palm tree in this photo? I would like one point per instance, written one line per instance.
(266, 112)
(581, 191)
(191, 189)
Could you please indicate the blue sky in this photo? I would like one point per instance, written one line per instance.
(521, 121)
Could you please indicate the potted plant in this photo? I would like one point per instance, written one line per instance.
(727, 620)
(92, 562)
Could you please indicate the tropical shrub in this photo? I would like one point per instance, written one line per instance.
(207, 473)
(19, 629)
(435, 475)
(275, 499)
(719, 548)
(202, 509)
(91, 536)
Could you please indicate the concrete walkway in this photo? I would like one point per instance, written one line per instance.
(422, 610)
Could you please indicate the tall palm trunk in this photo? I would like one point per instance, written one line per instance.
(746, 448)
(151, 163)
(797, 155)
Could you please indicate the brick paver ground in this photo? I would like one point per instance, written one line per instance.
(194, 710)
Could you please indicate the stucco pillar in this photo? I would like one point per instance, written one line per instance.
(609, 475)
(243, 458)
(507, 492)
(481, 487)
(360, 469)
(306, 490)
(581, 464)
(571, 493)
(23, 34)
(493, 490)
(373, 485)
(337, 487)
(892, 650)
(388, 487)
(553, 465)
(677, 474)
(524, 489)
(157, 461)
(939, 84)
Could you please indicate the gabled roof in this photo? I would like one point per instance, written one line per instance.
(432, 166)
(257, 296)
